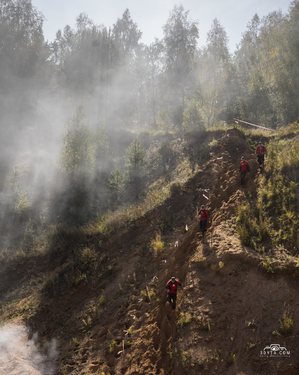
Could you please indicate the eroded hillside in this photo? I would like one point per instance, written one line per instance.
(230, 309)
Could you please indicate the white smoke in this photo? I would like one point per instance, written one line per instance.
(20, 356)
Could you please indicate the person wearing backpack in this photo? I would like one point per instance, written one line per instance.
(244, 168)
(260, 153)
(172, 287)
(203, 213)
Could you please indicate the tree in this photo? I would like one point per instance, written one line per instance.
(126, 34)
(192, 117)
(23, 67)
(135, 160)
(154, 56)
(116, 187)
(279, 63)
(214, 62)
(78, 150)
(180, 41)
(261, 70)
(21, 37)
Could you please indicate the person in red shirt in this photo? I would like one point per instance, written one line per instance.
(203, 213)
(171, 287)
(244, 168)
(260, 152)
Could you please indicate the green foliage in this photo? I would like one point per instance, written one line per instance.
(186, 355)
(273, 216)
(157, 244)
(78, 151)
(135, 160)
(183, 320)
(135, 155)
(231, 359)
(192, 117)
(217, 354)
(286, 324)
(17, 196)
(116, 184)
(22, 204)
(252, 224)
(179, 56)
(267, 265)
(213, 143)
(112, 346)
(174, 353)
(102, 300)
(164, 120)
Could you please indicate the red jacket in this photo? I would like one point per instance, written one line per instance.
(172, 287)
(244, 166)
(260, 150)
(203, 215)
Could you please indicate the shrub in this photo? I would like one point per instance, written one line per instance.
(231, 359)
(112, 346)
(286, 324)
(157, 245)
(183, 321)
(102, 300)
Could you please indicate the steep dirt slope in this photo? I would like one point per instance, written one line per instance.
(229, 311)
(233, 307)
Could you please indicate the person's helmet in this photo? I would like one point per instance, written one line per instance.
(242, 158)
(202, 206)
(173, 279)
(260, 142)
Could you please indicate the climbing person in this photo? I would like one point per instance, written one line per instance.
(203, 213)
(171, 287)
(244, 168)
(260, 152)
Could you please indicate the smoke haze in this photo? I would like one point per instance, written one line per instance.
(20, 356)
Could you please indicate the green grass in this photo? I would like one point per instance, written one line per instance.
(272, 216)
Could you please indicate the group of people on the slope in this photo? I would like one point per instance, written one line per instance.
(173, 283)
(260, 152)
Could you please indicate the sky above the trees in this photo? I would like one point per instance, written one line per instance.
(151, 15)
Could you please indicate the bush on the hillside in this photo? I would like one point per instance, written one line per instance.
(253, 226)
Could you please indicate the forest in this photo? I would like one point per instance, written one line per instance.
(79, 114)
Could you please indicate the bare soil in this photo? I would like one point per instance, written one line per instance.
(230, 309)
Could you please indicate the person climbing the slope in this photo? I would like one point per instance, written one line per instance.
(260, 153)
(172, 287)
(203, 213)
(244, 168)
